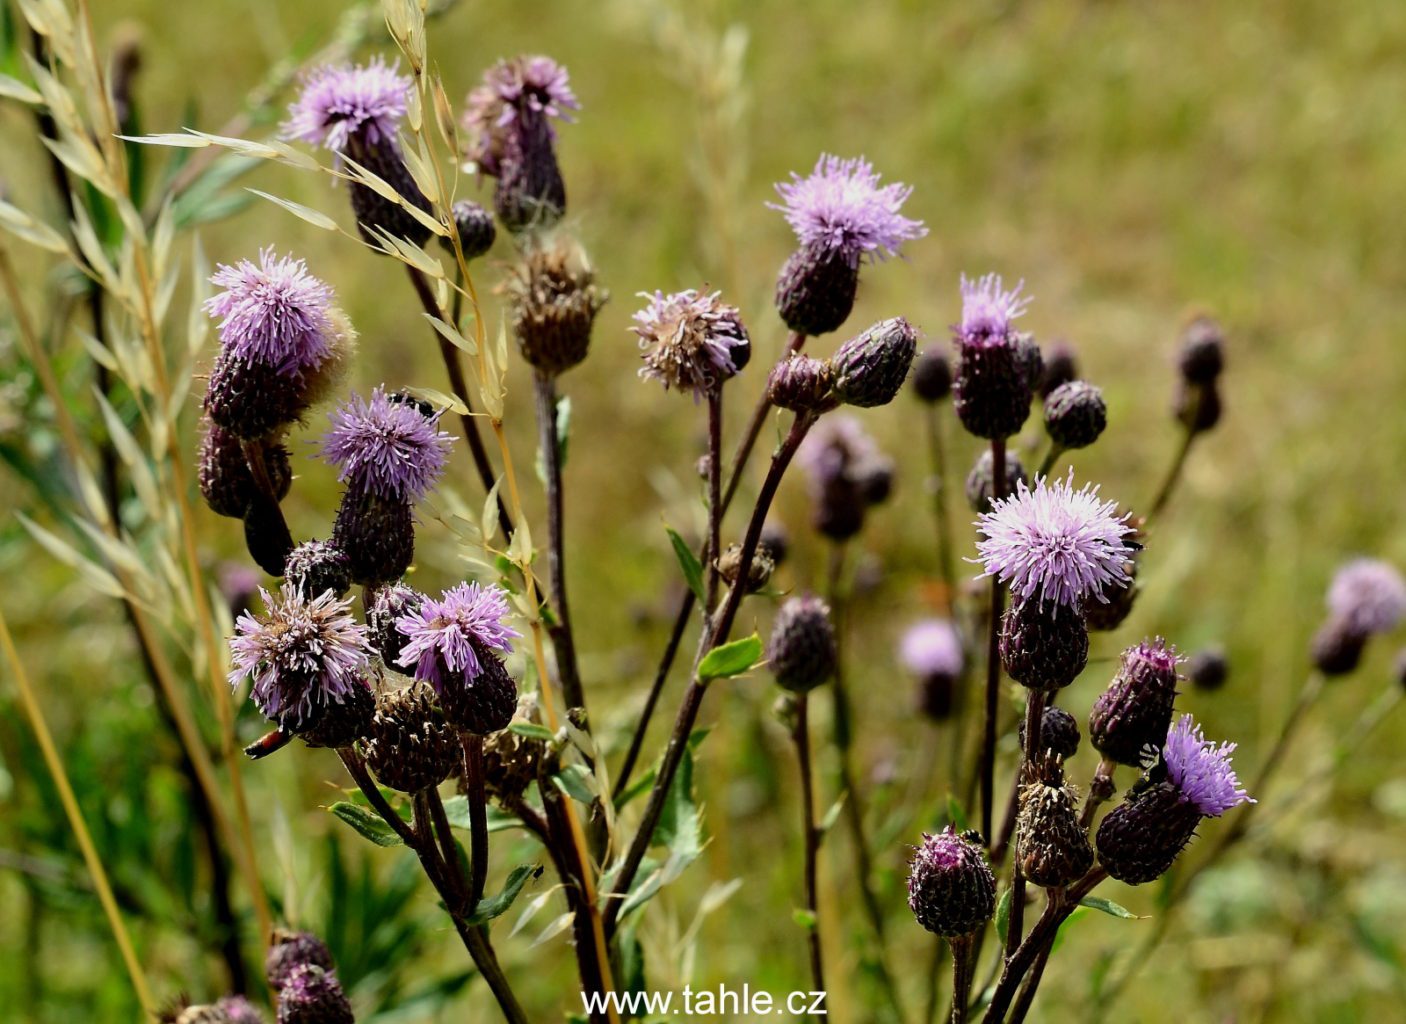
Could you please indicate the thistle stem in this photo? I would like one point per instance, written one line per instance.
(478, 816)
(1102, 783)
(563, 639)
(1173, 477)
(794, 343)
(993, 658)
(1051, 457)
(963, 967)
(1032, 982)
(801, 735)
(715, 504)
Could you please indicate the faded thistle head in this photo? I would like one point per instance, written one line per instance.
(691, 341)
(553, 299)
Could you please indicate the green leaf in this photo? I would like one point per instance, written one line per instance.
(1003, 916)
(804, 918)
(575, 781)
(832, 815)
(731, 659)
(688, 561)
(1074, 915)
(496, 906)
(369, 825)
(456, 812)
(563, 428)
(532, 731)
(1108, 907)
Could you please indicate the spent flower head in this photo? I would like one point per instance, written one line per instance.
(840, 206)
(304, 654)
(386, 446)
(274, 313)
(1055, 542)
(1201, 770)
(339, 101)
(447, 638)
(1368, 596)
(690, 340)
(988, 309)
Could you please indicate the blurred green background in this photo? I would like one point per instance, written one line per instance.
(1132, 162)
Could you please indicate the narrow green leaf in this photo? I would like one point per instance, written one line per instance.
(832, 815)
(1003, 916)
(688, 561)
(532, 731)
(496, 906)
(731, 659)
(1108, 907)
(804, 918)
(575, 781)
(369, 825)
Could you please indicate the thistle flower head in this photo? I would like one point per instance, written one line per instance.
(446, 639)
(511, 88)
(339, 101)
(1368, 596)
(690, 340)
(841, 207)
(386, 446)
(1201, 770)
(1054, 541)
(304, 654)
(313, 996)
(988, 309)
(932, 647)
(275, 313)
(951, 889)
(238, 1010)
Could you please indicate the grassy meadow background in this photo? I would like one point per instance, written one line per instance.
(1133, 162)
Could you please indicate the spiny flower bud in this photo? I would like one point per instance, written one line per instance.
(1051, 847)
(951, 889)
(1136, 709)
(388, 603)
(289, 950)
(341, 725)
(225, 482)
(410, 747)
(802, 652)
(1208, 668)
(1059, 732)
(377, 533)
(1075, 414)
(252, 399)
(312, 995)
(315, 566)
(1044, 645)
(1061, 366)
(554, 300)
(993, 385)
(800, 384)
(1198, 406)
(815, 290)
(980, 483)
(1140, 838)
(510, 760)
(1031, 358)
(932, 375)
(477, 231)
(758, 573)
(871, 367)
(1202, 356)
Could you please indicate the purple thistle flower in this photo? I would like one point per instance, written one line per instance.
(1062, 544)
(447, 639)
(932, 647)
(386, 446)
(842, 207)
(690, 340)
(535, 85)
(275, 314)
(1368, 596)
(303, 655)
(238, 1010)
(1201, 771)
(988, 309)
(342, 100)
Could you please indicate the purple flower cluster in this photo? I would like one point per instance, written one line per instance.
(535, 85)
(274, 313)
(1368, 596)
(340, 101)
(841, 207)
(690, 340)
(1201, 770)
(1062, 544)
(988, 309)
(446, 639)
(386, 446)
(306, 653)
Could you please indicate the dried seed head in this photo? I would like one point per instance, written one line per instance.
(1136, 709)
(315, 566)
(800, 384)
(554, 301)
(932, 375)
(289, 950)
(1043, 644)
(510, 760)
(691, 341)
(980, 485)
(312, 995)
(1059, 732)
(410, 746)
(951, 889)
(1075, 414)
(871, 367)
(1050, 845)
(801, 652)
(225, 481)
(758, 572)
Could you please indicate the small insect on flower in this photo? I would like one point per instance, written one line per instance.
(1054, 542)
(386, 446)
(304, 655)
(339, 101)
(274, 313)
(690, 340)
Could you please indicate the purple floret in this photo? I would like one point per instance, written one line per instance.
(840, 206)
(275, 313)
(342, 100)
(447, 638)
(386, 447)
(932, 647)
(988, 309)
(1369, 596)
(1064, 545)
(1201, 770)
(511, 90)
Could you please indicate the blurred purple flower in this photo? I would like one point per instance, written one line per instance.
(341, 100)
(386, 446)
(1201, 770)
(275, 314)
(1368, 596)
(447, 638)
(932, 647)
(840, 206)
(534, 85)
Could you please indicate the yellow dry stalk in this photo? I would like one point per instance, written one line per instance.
(74, 813)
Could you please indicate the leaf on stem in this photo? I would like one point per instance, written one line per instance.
(731, 659)
(688, 561)
(497, 905)
(369, 825)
